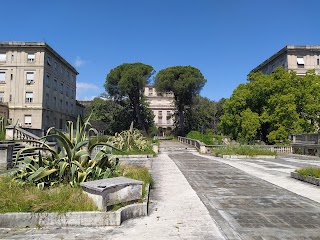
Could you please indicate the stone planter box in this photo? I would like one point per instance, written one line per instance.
(245, 156)
(75, 219)
(312, 180)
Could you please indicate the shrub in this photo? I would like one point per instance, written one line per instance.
(130, 139)
(309, 172)
(71, 163)
(244, 150)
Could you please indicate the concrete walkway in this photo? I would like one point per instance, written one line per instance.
(176, 212)
(250, 198)
(204, 197)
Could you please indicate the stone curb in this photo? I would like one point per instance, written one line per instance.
(76, 219)
(134, 156)
(312, 180)
(245, 156)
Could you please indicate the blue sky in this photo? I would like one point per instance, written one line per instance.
(224, 39)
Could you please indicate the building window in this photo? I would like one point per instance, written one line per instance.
(49, 60)
(300, 62)
(61, 104)
(10, 98)
(61, 87)
(12, 57)
(55, 102)
(72, 97)
(2, 97)
(168, 120)
(160, 113)
(48, 121)
(29, 97)
(47, 99)
(48, 80)
(67, 106)
(60, 124)
(55, 84)
(62, 69)
(71, 110)
(67, 91)
(30, 77)
(150, 91)
(3, 57)
(160, 120)
(68, 74)
(55, 65)
(27, 120)
(11, 76)
(31, 57)
(318, 61)
(2, 77)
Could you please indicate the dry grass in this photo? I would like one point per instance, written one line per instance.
(63, 198)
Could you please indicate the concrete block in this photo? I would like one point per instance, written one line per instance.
(111, 191)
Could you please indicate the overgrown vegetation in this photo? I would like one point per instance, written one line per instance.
(71, 163)
(29, 198)
(129, 139)
(208, 138)
(62, 198)
(137, 173)
(243, 150)
(309, 172)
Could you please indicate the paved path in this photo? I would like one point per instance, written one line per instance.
(240, 197)
(176, 213)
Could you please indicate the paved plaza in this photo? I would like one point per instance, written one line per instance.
(204, 197)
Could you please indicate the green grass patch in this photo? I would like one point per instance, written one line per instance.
(207, 138)
(244, 150)
(63, 198)
(309, 172)
(133, 151)
(137, 173)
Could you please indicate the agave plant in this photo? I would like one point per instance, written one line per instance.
(129, 139)
(71, 163)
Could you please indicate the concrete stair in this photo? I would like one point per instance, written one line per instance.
(17, 147)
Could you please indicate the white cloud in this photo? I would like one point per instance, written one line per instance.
(79, 62)
(87, 91)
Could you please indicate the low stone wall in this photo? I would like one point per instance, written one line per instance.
(76, 219)
(245, 156)
(312, 180)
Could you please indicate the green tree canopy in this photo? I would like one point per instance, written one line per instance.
(185, 82)
(204, 114)
(128, 81)
(270, 107)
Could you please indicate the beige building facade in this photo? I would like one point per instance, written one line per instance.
(297, 58)
(163, 109)
(37, 85)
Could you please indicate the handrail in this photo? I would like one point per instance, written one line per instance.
(203, 148)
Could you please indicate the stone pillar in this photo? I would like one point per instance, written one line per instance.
(10, 132)
(203, 149)
(155, 148)
(6, 151)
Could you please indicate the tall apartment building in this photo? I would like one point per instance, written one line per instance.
(37, 85)
(163, 109)
(297, 58)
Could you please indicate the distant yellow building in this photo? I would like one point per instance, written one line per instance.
(163, 109)
(37, 84)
